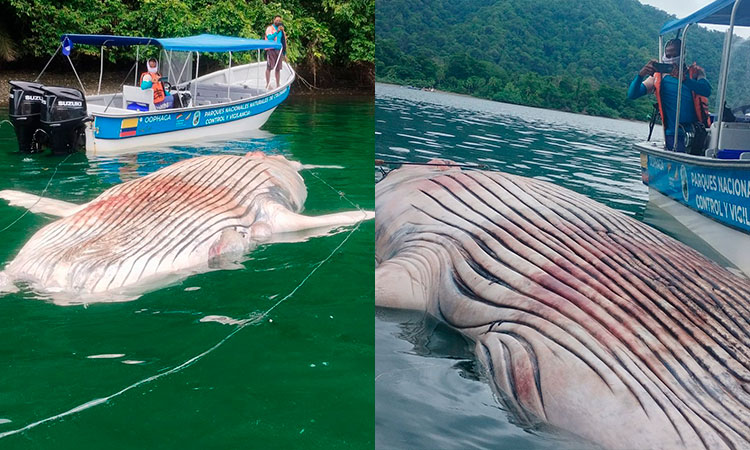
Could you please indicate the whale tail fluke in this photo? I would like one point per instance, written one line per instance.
(37, 204)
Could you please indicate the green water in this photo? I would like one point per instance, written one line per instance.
(303, 378)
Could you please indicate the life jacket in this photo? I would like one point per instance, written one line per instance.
(700, 102)
(157, 86)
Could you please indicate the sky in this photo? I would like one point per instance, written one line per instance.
(682, 8)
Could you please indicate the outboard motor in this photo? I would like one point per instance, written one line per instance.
(64, 118)
(26, 102)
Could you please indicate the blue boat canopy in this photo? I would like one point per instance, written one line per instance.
(106, 40)
(215, 43)
(199, 43)
(718, 12)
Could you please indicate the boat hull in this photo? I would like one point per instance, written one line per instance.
(709, 196)
(109, 134)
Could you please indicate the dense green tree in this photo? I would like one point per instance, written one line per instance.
(325, 33)
(573, 55)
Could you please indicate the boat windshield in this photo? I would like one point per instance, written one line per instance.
(738, 86)
(177, 66)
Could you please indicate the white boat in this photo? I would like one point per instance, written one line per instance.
(230, 101)
(708, 189)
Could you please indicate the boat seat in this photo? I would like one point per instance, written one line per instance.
(134, 94)
(734, 136)
(219, 90)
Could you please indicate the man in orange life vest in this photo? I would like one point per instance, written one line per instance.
(695, 93)
(150, 80)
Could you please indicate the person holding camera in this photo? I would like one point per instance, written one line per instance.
(662, 80)
(276, 33)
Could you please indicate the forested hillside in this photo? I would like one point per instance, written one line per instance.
(571, 55)
(326, 37)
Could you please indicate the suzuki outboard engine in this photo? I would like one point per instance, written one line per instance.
(64, 119)
(26, 102)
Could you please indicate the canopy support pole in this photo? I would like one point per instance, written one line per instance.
(679, 90)
(724, 72)
(101, 69)
(195, 87)
(275, 66)
(47, 65)
(185, 65)
(169, 60)
(76, 73)
(259, 76)
(661, 47)
(135, 75)
(229, 75)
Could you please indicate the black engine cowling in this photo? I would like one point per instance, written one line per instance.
(63, 118)
(26, 104)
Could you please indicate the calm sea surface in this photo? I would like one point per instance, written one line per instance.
(430, 392)
(302, 378)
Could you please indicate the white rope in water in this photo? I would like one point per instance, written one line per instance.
(250, 321)
(340, 193)
(40, 195)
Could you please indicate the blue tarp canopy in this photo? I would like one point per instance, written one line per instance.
(105, 39)
(199, 43)
(716, 13)
(215, 43)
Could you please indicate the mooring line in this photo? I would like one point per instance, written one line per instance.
(44, 191)
(249, 321)
(339, 193)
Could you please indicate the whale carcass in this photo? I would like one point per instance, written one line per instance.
(177, 219)
(585, 319)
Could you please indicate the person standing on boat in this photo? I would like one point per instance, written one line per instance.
(275, 33)
(151, 79)
(695, 93)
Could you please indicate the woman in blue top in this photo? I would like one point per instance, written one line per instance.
(645, 82)
(275, 32)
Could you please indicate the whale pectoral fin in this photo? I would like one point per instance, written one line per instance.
(37, 204)
(398, 287)
(6, 284)
(285, 221)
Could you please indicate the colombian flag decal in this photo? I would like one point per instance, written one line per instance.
(128, 127)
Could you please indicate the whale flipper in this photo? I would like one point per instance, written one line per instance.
(285, 221)
(40, 205)
(6, 284)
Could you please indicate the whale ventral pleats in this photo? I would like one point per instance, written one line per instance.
(585, 319)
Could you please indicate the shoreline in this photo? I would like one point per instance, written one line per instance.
(112, 82)
(414, 88)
